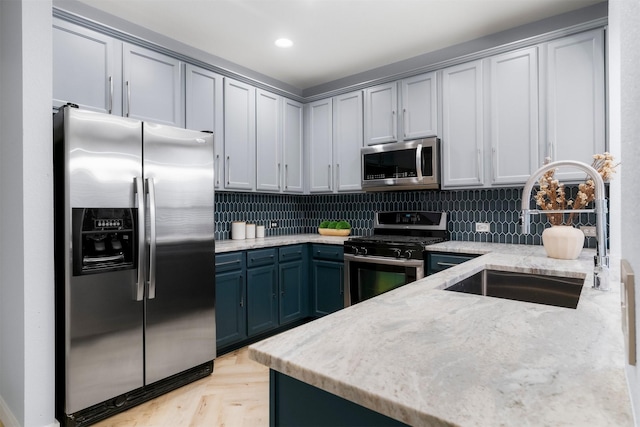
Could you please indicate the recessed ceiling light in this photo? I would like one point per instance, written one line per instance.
(284, 43)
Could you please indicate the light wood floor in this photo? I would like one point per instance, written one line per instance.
(235, 395)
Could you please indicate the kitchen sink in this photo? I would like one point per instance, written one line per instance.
(536, 288)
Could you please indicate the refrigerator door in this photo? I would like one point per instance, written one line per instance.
(98, 157)
(179, 307)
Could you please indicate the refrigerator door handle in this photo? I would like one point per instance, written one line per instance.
(151, 190)
(138, 292)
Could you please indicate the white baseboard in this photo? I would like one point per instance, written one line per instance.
(6, 416)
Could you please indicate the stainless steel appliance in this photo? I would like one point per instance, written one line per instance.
(409, 165)
(135, 279)
(393, 256)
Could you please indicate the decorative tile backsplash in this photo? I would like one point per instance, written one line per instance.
(295, 214)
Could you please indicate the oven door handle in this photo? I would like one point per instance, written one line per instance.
(385, 260)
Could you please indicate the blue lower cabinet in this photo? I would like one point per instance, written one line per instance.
(231, 291)
(438, 261)
(262, 299)
(327, 279)
(293, 403)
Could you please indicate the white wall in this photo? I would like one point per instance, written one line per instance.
(26, 223)
(624, 68)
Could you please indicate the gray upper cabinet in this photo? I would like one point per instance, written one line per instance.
(418, 116)
(292, 146)
(347, 141)
(86, 68)
(268, 141)
(411, 115)
(513, 116)
(462, 132)
(318, 123)
(239, 135)
(204, 110)
(575, 99)
(152, 86)
(380, 114)
(278, 143)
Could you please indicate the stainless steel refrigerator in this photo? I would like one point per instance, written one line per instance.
(135, 260)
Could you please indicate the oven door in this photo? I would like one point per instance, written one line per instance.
(368, 276)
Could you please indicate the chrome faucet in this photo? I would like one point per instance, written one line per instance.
(601, 260)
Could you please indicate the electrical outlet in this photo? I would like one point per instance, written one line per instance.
(483, 227)
(588, 231)
(274, 224)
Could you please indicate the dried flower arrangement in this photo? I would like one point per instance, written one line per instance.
(552, 196)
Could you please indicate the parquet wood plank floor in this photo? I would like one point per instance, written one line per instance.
(235, 395)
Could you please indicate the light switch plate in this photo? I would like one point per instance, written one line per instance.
(628, 303)
(483, 227)
(588, 231)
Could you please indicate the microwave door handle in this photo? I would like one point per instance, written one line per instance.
(419, 162)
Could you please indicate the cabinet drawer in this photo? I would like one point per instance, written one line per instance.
(290, 253)
(261, 257)
(440, 261)
(329, 252)
(229, 262)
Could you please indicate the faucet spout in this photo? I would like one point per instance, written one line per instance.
(601, 261)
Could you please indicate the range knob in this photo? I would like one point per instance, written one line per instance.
(363, 250)
(408, 253)
(396, 252)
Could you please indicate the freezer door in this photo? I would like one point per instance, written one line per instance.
(180, 300)
(104, 155)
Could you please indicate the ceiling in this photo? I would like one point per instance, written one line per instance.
(332, 38)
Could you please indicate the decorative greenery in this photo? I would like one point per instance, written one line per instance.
(338, 225)
(551, 195)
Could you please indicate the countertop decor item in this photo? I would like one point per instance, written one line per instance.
(562, 240)
(334, 228)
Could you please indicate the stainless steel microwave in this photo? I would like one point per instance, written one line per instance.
(409, 165)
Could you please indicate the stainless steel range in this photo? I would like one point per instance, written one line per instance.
(393, 256)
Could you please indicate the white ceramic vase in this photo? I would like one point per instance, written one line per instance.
(563, 241)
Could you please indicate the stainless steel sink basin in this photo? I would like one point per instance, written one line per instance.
(537, 288)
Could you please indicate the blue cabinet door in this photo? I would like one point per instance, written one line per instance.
(327, 286)
(293, 291)
(262, 301)
(230, 308)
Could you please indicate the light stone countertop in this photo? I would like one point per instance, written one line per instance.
(271, 241)
(426, 356)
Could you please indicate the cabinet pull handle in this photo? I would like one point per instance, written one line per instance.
(393, 119)
(279, 177)
(446, 264)
(329, 178)
(494, 163)
(550, 149)
(292, 253)
(241, 292)
(338, 176)
(286, 176)
(128, 98)
(228, 263)
(273, 284)
(405, 124)
(217, 170)
(479, 161)
(228, 170)
(333, 254)
(110, 94)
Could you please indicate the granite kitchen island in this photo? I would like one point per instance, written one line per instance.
(425, 356)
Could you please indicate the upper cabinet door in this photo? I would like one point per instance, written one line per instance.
(418, 117)
(239, 135)
(292, 141)
(347, 141)
(513, 94)
(152, 86)
(84, 64)
(319, 130)
(575, 101)
(204, 110)
(380, 114)
(268, 141)
(462, 133)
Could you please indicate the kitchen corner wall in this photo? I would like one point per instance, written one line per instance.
(296, 214)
